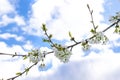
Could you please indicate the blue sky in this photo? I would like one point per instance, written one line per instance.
(20, 31)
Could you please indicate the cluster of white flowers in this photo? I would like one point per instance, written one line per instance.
(63, 55)
(99, 38)
(85, 45)
(117, 29)
(115, 18)
(36, 56)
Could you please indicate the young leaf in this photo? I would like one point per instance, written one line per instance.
(50, 36)
(27, 70)
(18, 73)
(44, 27)
(71, 38)
(45, 40)
(117, 26)
(70, 35)
(116, 30)
(25, 57)
(92, 31)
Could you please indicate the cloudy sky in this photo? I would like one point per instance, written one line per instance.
(20, 31)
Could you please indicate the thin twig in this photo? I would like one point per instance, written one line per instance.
(94, 35)
(111, 25)
(13, 55)
(52, 44)
(50, 52)
(22, 72)
(92, 19)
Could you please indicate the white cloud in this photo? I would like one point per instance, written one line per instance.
(7, 20)
(15, 48)
(102, 66)
(8, 63)
(50, 59)
(8, 69)
(28, 45)
(93, 67)
(41, 13)
(73, 16)
(8, 35)
(5, 7)
(19, 20)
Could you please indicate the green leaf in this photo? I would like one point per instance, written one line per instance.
(29, 53)
(71, 38)
(116, 30)
(25, 57)
(117, 26)
(18, 73)
(59, 47)
(83, 43)
(92, 31)
(45, 40)
(44, 27)
(27, 70)
(70, 35)
(50, 36)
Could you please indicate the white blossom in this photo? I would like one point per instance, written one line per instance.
(99, 38)
(36, 56)
(115, 18)
(63, 55)
(85, 45)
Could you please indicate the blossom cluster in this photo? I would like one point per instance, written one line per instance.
(99, 37)
(63, 54)
(36, 56)
(117, 29)
(85, 45)
(115, 18)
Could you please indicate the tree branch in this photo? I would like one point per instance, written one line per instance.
(22, 72)
(13, 55)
